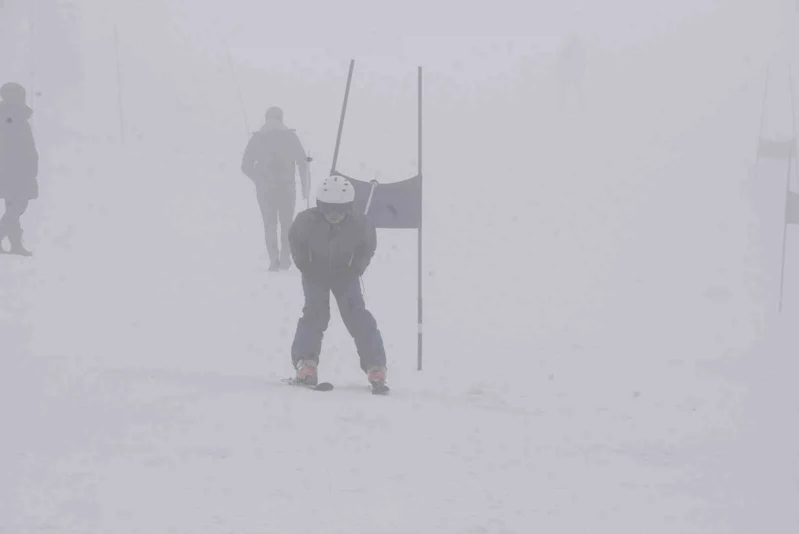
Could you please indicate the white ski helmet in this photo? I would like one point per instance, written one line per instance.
(335, 190)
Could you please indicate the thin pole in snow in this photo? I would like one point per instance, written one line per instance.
(763, 111)
(371, 194)
(341, 120)
(119, 87)
(33, 61)
(309, 160)
(793, 113)
(788, 188)
(785, 229)
(419, 254)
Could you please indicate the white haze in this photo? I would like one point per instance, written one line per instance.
(603, 350)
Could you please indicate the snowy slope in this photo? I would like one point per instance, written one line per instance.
(601, 350)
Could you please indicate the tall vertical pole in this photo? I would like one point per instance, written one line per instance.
(119, 87)
(788, 186)
(793, 115)
(308, 160)
(33, 89)
(421, 212)
(763, 113)
(341, 120)
(785, 228)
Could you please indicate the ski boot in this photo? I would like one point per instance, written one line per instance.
(306, 373)
(377, 378)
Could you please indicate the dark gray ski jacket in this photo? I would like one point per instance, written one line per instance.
(272, 154)
(19, 160)
(328, 252)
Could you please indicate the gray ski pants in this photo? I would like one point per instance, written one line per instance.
(357, 319)
(277, 202)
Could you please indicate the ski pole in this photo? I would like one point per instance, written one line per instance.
(308, 159)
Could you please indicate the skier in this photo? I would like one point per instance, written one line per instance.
(332, 246)
(269, 161)
(19, 164)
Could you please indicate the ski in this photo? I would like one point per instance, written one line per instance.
(379, 389)
(321, 386)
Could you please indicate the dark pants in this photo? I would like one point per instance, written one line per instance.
(9, 224)
(277, 201)
(316, 316)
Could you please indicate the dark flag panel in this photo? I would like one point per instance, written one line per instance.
(777, 150)
(792, 208)
(392, 205)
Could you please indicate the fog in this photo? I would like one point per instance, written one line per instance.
(605, 252)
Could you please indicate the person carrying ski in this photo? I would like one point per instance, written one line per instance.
(269, 161)
(19, 164)
(332, 246)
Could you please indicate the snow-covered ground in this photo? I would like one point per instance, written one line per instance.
(602, 348)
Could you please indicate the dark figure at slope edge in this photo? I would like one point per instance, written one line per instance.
(19, 164)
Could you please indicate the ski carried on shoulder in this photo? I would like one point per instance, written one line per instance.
(321, 386)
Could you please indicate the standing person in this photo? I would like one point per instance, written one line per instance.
(332, 246)
(19, 164)
(269, 161)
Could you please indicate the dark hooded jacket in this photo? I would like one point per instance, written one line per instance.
(272, 154)
(332, 253)
(19, 160)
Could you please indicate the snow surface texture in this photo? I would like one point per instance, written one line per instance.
(603, 352)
